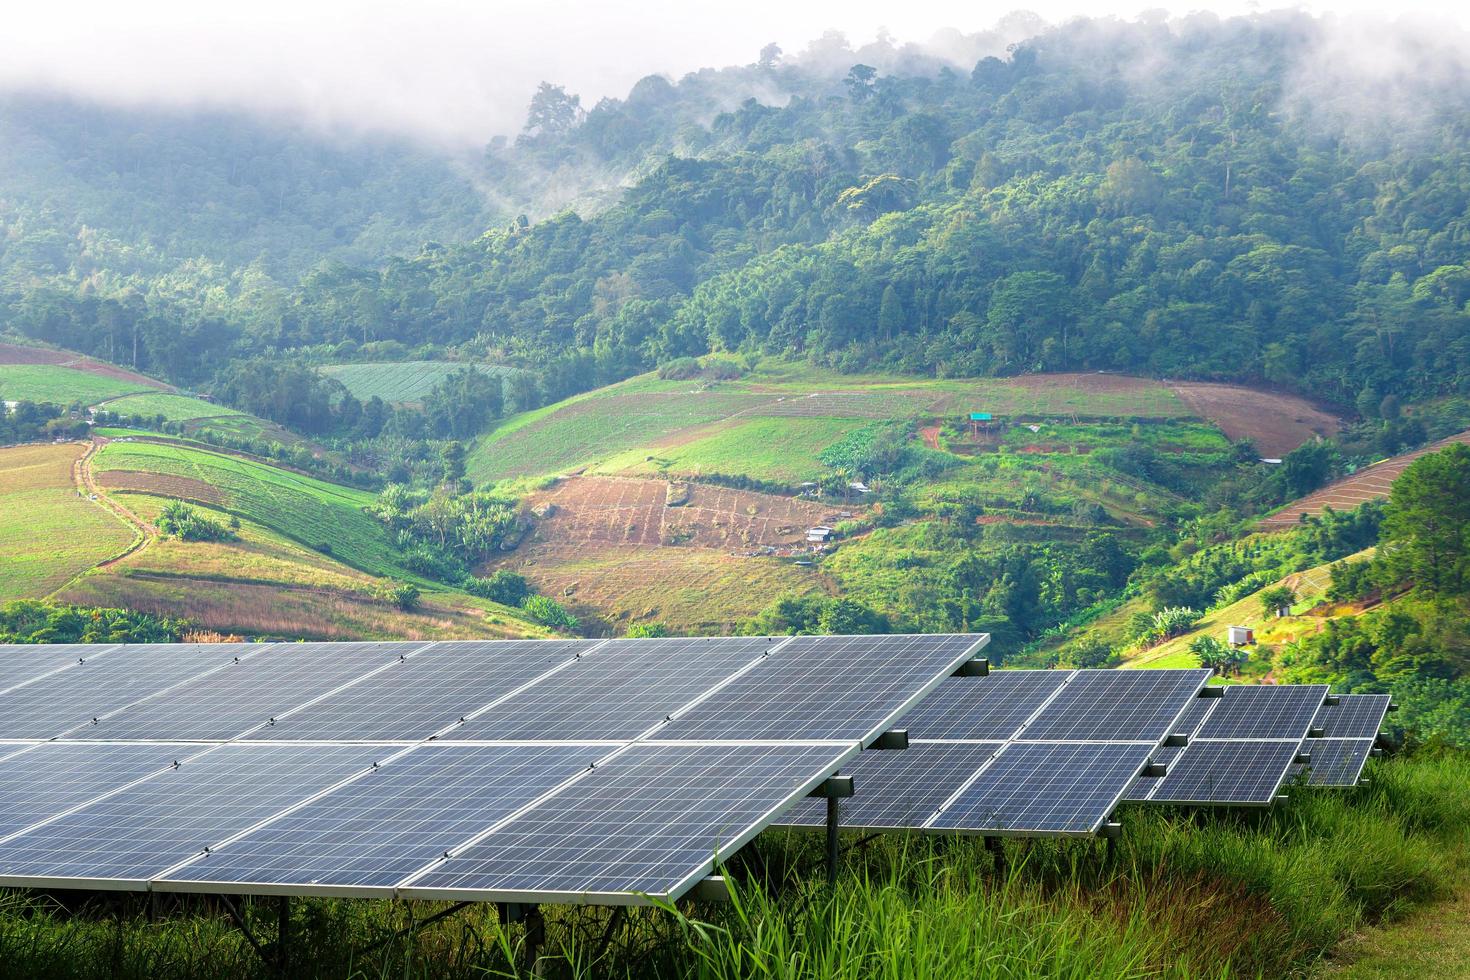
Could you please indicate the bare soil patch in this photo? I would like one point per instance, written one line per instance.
(585, 510)
(17, 354)
(161, 485)
(1371, 483)
(1275, 422)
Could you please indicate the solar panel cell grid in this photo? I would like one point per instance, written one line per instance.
(617, 691)
(1354, 716)
(650, 821)
(135, 834)
(1336, 762)
(1262, 711)
(226, 703)
(824, 687)
(21, 662)
(1227, 772)
(53, 777)
(983, 708)
(62, 701)
(387, 824)
(1046, 788)
(424, 693)
(886, 794)
(1133, 705)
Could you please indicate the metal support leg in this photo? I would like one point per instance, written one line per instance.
(998, 854)
(832, 849)
(613, 922)
(535, 939)
(283, 936)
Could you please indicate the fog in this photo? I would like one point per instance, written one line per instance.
(454, 73)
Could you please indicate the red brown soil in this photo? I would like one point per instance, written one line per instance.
(930, 435)
(161, 485)
(1371, 483)
(16, 354)
(594, 510)
(1275, 422)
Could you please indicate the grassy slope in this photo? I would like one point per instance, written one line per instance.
(174, 408)
(773, 449)
(60, 385)
(400, 382)
(48, 533)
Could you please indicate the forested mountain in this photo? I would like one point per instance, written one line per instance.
(1176, 200)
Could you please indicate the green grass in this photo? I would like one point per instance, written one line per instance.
(774, 449)
(60, 385)
(173, 408)
(402, 382)
(1187, 894)
(310, 511)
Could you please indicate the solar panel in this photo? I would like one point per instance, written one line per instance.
(59, 702)
(886, 794)
(1045, 788)
(1116, 706)
(53, 777)
(227, 702)
(390, 822)
(650, 821)
(993, 707)
(826, 687)
(1354, 716)
(1335, 761)
(123, 839)
(22, 662)
(1193, 716)
(618, 690)
(422, 694)
(1234, 772)
(1264, 711)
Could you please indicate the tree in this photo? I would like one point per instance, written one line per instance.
(1026, 308)
(552, 112)
(890, 314)
(452, 456)
(1212, 653)
(770, 56)
(1277, 601)
(860, 81)
(1426, 527)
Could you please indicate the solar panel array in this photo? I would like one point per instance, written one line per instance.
(1349, 732)
(574, 770)
(1018, 752)
(1242, 746)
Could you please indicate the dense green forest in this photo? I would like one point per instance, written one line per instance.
(1060, 209)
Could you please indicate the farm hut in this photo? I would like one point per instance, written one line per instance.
(858, 486)
(1241, 636)
(817, 536)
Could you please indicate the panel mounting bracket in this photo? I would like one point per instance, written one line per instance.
(715, 888)
(833, 788)
(1332, 700)
(975, 667)
(1155, 770)
(1315, 732)
(1111, 830)
(1212, 691)
(1176, 741)
(892, 740)
(1303, 758)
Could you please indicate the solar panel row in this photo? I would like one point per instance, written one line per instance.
(320, 770)
(1349, 732)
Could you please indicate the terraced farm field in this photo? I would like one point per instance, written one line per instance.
(1371, 483)
(1275, 423)
(15, 354)
(402, 382)
(774, 449)
(317, 514)
(48, 533)
(173, 408)
(62, 385)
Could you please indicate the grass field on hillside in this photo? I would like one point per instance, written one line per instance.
(321, 515)
(774, 449)
(173, 408)
(402, 382)
(1185, 895)
(47, 532)
(60, 385)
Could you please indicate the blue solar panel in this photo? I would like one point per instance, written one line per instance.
(1354, 716)
(392, 821)
(618, 690)
(1241, 773)
(983, 708)
(650, 821)
(425, 692)
(1335, 761)
(825, 687)
(22, 662)
(59, 702)
(130, 836)
(886, 794)
(1264, 711)
(49, 779)
(226, 703)
(1117, 706)
(1046, 788)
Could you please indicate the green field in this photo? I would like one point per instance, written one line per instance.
(775, 449)
(60, 385)
(48, 533)
(315, 513)
(173, 408)
(402, 382)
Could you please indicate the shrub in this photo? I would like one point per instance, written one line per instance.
(404, 595)
(549, 612)
(679, 369)
(647, 630)
(502, 586)
(187, 524)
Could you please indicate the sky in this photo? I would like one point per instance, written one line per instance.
(455, 72)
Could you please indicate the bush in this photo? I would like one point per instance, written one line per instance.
(187, 524)
(647, 630)
(679, 369)
(502, 586)
(404, 595)
(427, 560)
(549, 612)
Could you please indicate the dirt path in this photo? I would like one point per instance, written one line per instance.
(930, 435)
(87, 486)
